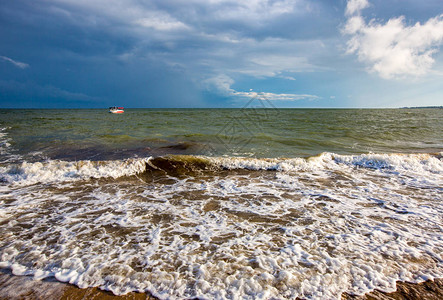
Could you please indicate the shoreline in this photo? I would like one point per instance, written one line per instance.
(25, 287)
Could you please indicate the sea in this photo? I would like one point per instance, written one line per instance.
(248, 203)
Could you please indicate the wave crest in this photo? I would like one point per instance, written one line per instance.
(188, 165)
(60, 171)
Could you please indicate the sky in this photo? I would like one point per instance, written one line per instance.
(220, 53)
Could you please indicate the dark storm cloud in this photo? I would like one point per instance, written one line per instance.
(77, 53)
(91, 47)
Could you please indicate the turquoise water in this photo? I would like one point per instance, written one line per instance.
(223, 203)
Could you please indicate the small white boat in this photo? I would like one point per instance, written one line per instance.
(116, 110)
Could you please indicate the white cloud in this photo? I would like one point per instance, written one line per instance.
(18, 64)
(160, 24)
(393, 49)
(222, 84)
(161, 21)
(355, 6)
(253, 9)
(288, 77)
(274, 96)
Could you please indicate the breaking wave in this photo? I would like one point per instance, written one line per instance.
(51, 171)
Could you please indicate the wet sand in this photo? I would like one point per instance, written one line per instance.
(428, 290)
(23, 287)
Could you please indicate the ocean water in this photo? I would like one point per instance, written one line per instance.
(223, 203)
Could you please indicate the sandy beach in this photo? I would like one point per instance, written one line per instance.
(24, 287)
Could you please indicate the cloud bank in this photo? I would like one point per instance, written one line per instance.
(392, 49)
(222, 83)
(207, 38)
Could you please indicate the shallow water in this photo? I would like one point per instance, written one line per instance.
(181, 211)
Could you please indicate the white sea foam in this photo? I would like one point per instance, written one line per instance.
(52, 171)
(417, 162)
(311, 228)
